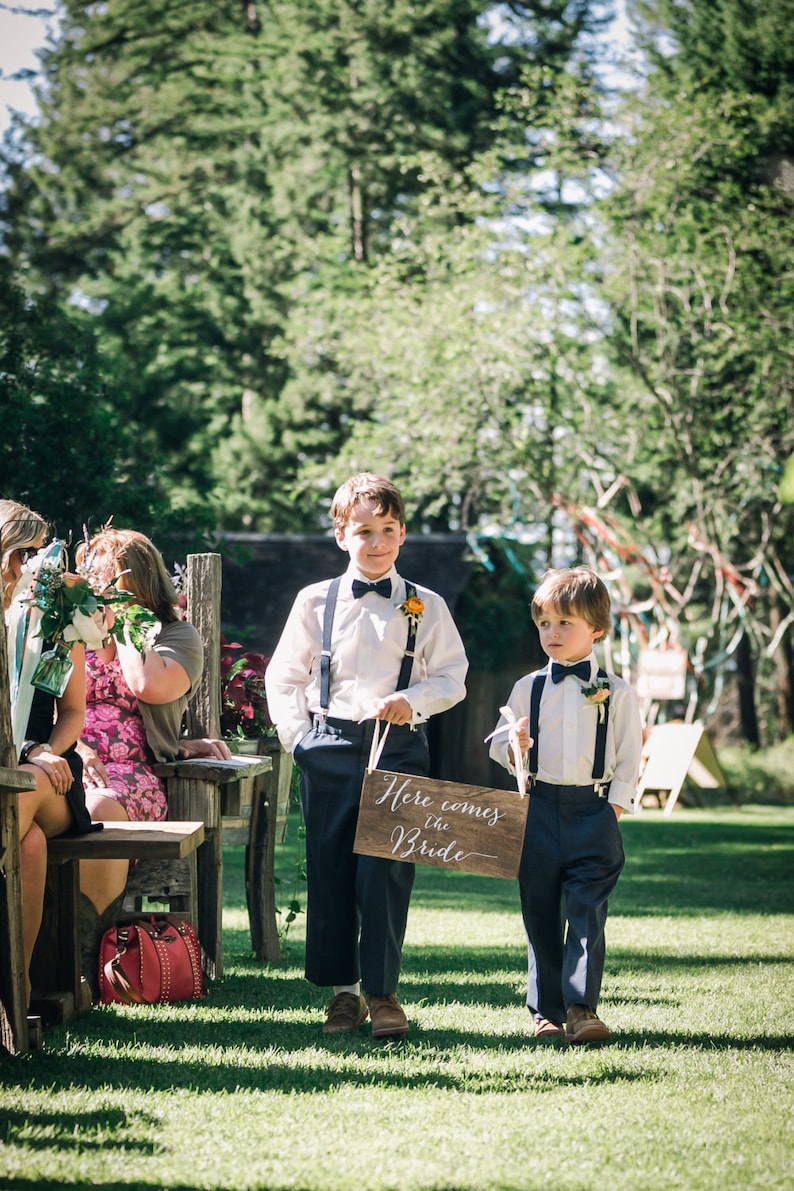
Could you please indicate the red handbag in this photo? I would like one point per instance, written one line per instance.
(150, 959)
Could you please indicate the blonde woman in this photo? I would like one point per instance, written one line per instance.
(58, 803)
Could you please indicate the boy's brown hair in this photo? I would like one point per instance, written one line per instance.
(369, 489)
(574, 591)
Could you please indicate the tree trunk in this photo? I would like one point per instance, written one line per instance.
(784, 694)
(745, 677)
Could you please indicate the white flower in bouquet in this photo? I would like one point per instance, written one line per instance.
(91, 630)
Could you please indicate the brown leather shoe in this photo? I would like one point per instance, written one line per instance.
(548, 1031)
(346, 1013)
(584, 1026)
(388, 1018)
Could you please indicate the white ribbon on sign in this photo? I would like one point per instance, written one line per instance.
(378, 741)
(511, 728)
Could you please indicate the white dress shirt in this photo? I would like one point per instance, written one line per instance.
(567, 732)
(367, 648)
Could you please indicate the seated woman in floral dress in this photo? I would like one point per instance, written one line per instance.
(113, 745)
(135, 702)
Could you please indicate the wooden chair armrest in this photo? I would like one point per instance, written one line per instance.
(16, 781)
(210, 769)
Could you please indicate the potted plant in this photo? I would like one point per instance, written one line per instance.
(244, 714)
(245, 722)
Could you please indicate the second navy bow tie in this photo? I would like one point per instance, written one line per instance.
(580, 670)
(382, 587)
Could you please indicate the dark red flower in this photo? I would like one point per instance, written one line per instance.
(243, 699)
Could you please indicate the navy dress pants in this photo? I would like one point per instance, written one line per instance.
(570, 864)
(357, 906)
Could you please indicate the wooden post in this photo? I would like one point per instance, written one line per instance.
(204, 613)
(260, 856)
(13, 999)
(204, 719)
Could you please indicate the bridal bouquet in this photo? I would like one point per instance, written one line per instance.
(71, 611)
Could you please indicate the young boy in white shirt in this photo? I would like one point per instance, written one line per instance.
(368, 646)
(580, 735)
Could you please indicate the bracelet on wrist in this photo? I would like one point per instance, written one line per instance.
(27, 749)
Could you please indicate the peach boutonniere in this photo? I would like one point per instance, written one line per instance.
(413, 608)
(598, 694)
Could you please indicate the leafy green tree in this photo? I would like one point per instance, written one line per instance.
(203, 175)
(65, 450)
(700, 286)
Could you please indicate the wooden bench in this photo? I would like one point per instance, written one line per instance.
(59, 991)
(195, 789)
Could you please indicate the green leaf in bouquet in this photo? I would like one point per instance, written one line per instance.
(142, 626)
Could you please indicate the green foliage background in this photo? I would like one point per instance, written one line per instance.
(249, 250)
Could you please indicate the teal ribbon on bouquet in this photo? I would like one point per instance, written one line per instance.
(24, 644)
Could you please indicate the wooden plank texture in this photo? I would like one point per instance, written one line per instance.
(420, 820)
(212, 769)
(156, 841)
(13, 1000)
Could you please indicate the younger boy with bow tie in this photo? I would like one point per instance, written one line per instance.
(580, 736)
(367, 646)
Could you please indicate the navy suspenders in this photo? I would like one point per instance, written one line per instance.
(599, 760)
(404, 676)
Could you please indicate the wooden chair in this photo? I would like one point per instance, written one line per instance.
(195, 789)
(60, 992)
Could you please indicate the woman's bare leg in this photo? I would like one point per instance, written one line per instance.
(103, 881)
(33, 852)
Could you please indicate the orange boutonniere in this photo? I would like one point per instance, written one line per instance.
(413, 608)
(598, 694)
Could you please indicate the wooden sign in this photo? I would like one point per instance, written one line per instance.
(661, 673)
(419, 820)
(675, 751)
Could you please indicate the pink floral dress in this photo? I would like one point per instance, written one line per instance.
(114, 729)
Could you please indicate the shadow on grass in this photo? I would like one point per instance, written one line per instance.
(673, 868)
(260, 1028)
(22, 1184)
(307, 1064)
(83, 1132)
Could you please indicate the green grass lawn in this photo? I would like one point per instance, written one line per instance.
(243, 1091)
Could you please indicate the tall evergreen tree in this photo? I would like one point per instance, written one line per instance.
(200, 171)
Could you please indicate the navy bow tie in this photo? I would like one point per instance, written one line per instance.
(581, 670)
(382, 587)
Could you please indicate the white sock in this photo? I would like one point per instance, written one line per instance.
(353, 989)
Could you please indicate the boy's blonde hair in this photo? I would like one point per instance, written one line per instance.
(369, 489)
(574, 591)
